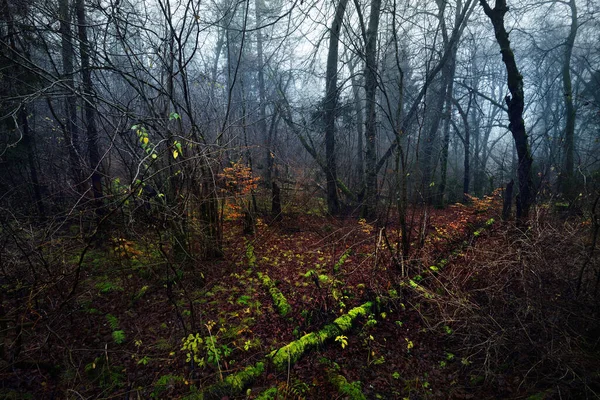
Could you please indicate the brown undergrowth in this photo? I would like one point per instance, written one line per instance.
(517, 321)
(485, 310)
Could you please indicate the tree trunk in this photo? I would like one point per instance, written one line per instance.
(433, 118)
(89, 106)
(507, 201)
(446, 141)
(358, 110)
(28, 142)
(330, 106)
(262, 106)
(449, 70)
(71, 132)
(567, 175)
(516, 103)
(276, 202)
(370, 204)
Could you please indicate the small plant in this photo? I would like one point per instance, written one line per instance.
(117, 334)
(216, 353)
(250, 255)
(107, 286)
(202, 351)
(239, 183)
(371, 322)
(106, 376)
(341, 261)
(144, 360)
(192, 345)
(140, 293)
(365, 227)
(343, 340)
(244, 300)
(294, 390)
(163, 383)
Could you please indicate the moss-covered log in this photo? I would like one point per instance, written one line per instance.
(281, 304)
(269, 394)
(350, 390)
(235, 383)
(292, 352)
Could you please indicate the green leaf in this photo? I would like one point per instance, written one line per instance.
(113, 322)
(118, 337)
(173, 116)
(144, 360)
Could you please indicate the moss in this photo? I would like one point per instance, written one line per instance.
(283, 307)
(281, 303)
(344, 322)
(293, 351)
(236, 383)
(350, 389)
(487, 224)
(269, 394)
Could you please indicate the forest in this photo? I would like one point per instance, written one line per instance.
(299, 199)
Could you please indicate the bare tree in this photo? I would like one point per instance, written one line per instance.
(89, 105)
(330, 107)
(567, 175)
(370, 202)
(516, 104)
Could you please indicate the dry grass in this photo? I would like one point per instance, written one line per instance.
(516, 319)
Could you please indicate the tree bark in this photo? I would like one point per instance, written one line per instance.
(89, 106)
(507, 200)
(358, 110)
(449, 70)
(516, 104)
(330, 106)
(262, 106)
(71, 132)
(370, 203)
(446, 140)
(567, 175)
(28, 141)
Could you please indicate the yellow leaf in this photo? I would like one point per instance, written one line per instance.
(145, 140)
(175, 154)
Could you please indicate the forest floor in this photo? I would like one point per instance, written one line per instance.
(482, 309)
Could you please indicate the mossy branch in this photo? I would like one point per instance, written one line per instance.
(345, 388)
(286, 355)
(282, 305)
(292, 352)
(236, 383)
